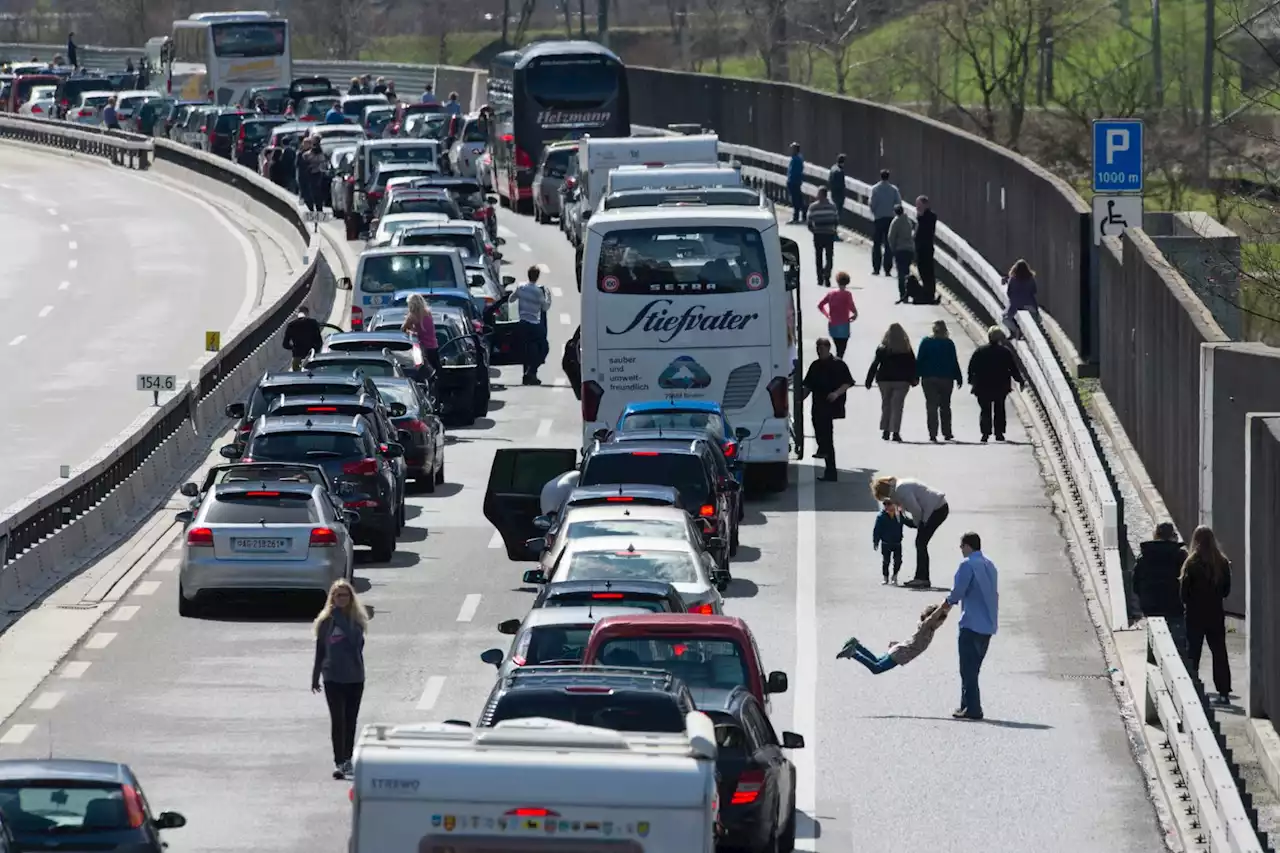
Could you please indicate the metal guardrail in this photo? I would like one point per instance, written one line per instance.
(121, 148)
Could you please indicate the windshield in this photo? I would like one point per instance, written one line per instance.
(573, 81)
(427, 126)
(48, 807)
(373, 369)
(384, 175)
(132, 102)
(463, 242)
(683, 261)
(274, 96)
(473, 132)
(317, 107)
(619, 711)
(669, 566)
(257, 129)
(424, 204)
(268, 473)
(285, 446)
(389, 273)
(661, 528)
(701, 421)
(355, 106)
(229, 122)
(94, 100)
(400, 393)
(402, 154)
(257, 38)
(696, 662)
(682, 471)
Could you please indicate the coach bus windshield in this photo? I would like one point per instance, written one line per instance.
(573, 81)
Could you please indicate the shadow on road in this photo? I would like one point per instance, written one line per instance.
(1003, 724)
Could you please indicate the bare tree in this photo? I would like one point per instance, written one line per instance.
(767, 30)
(527, 8)
(714, 26)
(337, 27)
(829, 26)
(678, 20)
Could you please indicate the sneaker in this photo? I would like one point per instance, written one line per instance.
(933, 438)
(984, 438)
(347, 769)
(885, 435)
(916, 583)
(337, 770)
(999, 438)
(897, 436)
(885, 582)
(895, 578)
(963, 714)
(948, 438)
(1224, 699)
(849, 646)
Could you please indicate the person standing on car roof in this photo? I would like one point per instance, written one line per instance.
(302, 337)
(419, 323)
(355, 88)
(339, 665)
(72, 54)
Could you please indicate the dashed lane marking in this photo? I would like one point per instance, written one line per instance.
(47, 701)
(544, 428)
(525, 247)
(166, 564)
(46, 310)
(557, 292)
(64, 285)
(75, 668)
(470, 605)
(565, 319)
(147, 588)
(65, 227)
(431, 693)
(495, 541)
(72, 264)
(100, 640)
(17, 734)
(19, 339)
(53, 211)
(73, 245)
(125, 612)
(546, 270)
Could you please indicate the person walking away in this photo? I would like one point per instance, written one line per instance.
(1020, 287)
(977, 590)
(380, 87)
(355, 88)
(308, 161)
(302, 337)
(837, 306)
(926, 231)
(419, 323)
(453, 107)
(1204, 584)
(938, 367)
(827, 381)
(992, 371)
(288, 167)
(339, 665)
(931, 618)
(532, 302)
(110, 118)
(824, 220)
(1156, 581)
(429, 96)
(335, 115)
(927, 507)
(73, 55)
(837, 188)
(795, 183)
(886, 537)
(883, 199)
(902, 243)
(894, 371)
(128, 65)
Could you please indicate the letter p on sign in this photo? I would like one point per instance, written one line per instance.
(1117, 141)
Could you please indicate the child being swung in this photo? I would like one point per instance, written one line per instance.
(899, 653)
(886, 538)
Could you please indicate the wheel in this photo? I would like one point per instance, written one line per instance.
(787, 838)
(187, 608)
(428, 482)
(402, 517)
(773, 476)
(733, 541)
(353, 227)
(440, 474)
(722, 561)
(384, 547)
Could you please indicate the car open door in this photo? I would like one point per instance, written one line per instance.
(513, 498)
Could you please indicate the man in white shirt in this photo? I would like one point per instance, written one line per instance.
(533, 301)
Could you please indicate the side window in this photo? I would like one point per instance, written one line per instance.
(370, 449)
(761, 728)
(755, 649)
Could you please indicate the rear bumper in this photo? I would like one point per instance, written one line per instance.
(201, 575)
(373, 525)
(745, 827)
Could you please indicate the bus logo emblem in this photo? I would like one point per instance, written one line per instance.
(755, 281)
(684, 373)
(610, 284)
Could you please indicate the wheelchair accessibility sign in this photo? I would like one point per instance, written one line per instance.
(1112, 214)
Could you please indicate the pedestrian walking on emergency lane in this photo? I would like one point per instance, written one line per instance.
(883, 199)
(837, 306)
(927, 507)
(993, 369)
(1157, 577)
(900, 654)
(824, 220)
(795, 183)
(938, 367)
(926, 230)
(302, 337)
(1020, 287)
(977, 590)
(902, 243)
(532, 301)
(339, 666)
(1204, 584)
(827, 381)
(837, 188)
(886, 537)
(894, 371)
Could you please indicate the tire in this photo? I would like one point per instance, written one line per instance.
(773, 476)
(402, 515)
(353, 227)
(440, 475)
(733, 541)
(787, 837)
(427, 482)
(187, 609)
(384, 547)
(722, 561)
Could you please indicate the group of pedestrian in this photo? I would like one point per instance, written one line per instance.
(311, 167)
(367, 85)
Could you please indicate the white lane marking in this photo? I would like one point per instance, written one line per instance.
(557, 292)
(19, 339)
(64, 285)
(544, 428)
(73, 245)
(495, 541)
(75, 668)
(125, 612)
(65, 227)
(45, 311)
(525, 247)
(72, 264)
(100, 640)
(431, 693)
(17, 734)
(504, 231)
(46, 701)
(565, 319)
(168, 564)
(804, 713)
(147, 588)
(546, 270)
(470, 605)
(53, 211)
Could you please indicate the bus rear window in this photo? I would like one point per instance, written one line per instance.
(680, 261)
(257, 38)
(584, 81)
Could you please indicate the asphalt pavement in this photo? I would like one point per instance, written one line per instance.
(106, 274)
(216, 717)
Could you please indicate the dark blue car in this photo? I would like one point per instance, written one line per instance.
(685, 415)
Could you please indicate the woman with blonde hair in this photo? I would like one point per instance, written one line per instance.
(938, 366)
(927, 507)
(419, 323)
(339, 663)
(992, 371)
(1204, 584)
(894, 370)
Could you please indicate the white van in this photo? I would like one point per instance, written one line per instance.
(383, 271)
(671, 177)
(534, 784)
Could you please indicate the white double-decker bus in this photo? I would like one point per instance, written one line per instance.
(224, 53)
(690, 302)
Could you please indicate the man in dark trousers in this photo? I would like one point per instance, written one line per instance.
(302, 337)
(826, 382)
(72, 58)
(884, 198)
(823, 220)
(926, 228)
(836, 186)
(977, 590)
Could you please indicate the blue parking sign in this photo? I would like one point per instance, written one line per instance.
(1117, 155)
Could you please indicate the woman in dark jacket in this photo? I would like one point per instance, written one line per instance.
(1155, 580)
(339, 663)
(992, 371)
(894, 370)
(1204, 585)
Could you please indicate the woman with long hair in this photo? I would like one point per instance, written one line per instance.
(894, 370)
(992, 371)
(939, 367)
(419, 323)
(1204, 584)
(1020, 287)
(339, 664)
(927, 507)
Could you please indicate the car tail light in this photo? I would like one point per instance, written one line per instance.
(351, 179)
(308, 118)
(357, 318)
(703, 610)
(65, 102)
(523, 160)
(777, 389)
(730, 449)
(592, 394)
(262, 494)
(200, 537)
(619, 499)
(363, 468)
(588, 689)
(133, 809)
(531, 812)
(412, 425)
(246, 428)
(750, 786)
(323, 537)
(708, 529)
(84, 112)
(488, 250)
(319, 409)
(240, 139)
(644, 453)
(366, 503)
(35, 108)
(707, 510)
(610, 595)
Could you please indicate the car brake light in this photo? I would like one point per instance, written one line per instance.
(644, 453)
(488, 250)
(703, 610)
(531, 812)
(679, 649)
(523, 160)
(319, 409)
(730, 449)
(777, 389)
(363, 468)
(588, 689)
(750, 786)
(246, 428)
(357, 318)
(262, 494)
(592, 394)
(65, 102)
(323, 537)
(35, 108)
(611, 595)
(412, 425)
(707, 510)
(367, 503)
(308, 118)
(200, 537)
(619, 499)
(133, 809)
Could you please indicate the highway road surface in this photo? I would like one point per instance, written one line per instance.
(216, 716)
(104, 274)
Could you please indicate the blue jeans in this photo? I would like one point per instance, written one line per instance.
(876, 663)
(973, 648)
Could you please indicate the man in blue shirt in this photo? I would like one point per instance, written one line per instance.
(334, 116)
(976, 590)
(795, 181)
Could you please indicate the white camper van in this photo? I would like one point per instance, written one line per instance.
(533, 785)
(671, 177)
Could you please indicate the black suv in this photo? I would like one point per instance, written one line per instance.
(619, 698)
(347, 448)
(68, 93)
(252, 137)
(274, 385)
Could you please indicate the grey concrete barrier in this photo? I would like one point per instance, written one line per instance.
(121, 148)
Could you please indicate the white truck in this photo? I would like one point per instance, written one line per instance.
(671, 176)
(534, 785)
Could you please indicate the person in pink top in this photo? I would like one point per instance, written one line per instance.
(419, 323)
(837, 306)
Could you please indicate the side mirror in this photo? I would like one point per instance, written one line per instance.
(351, 517)
(234, 410)
(493, 657)
(477, 281)
(715, 543)
(776, 683)
(509, 627)
(791, 740)
(344, 283)
(404, 436)
(185, 517)
(542, 522)
(458, 723)
(169, 820)
(508, 280)
(491, 199)
(397, 410)
(537, 545)
(730, 484)
(393, 450)
(742, 433)
(190, 490)
(535, 576)
(497, 256)
(229, 451)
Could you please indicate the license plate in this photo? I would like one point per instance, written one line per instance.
(260, 545)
